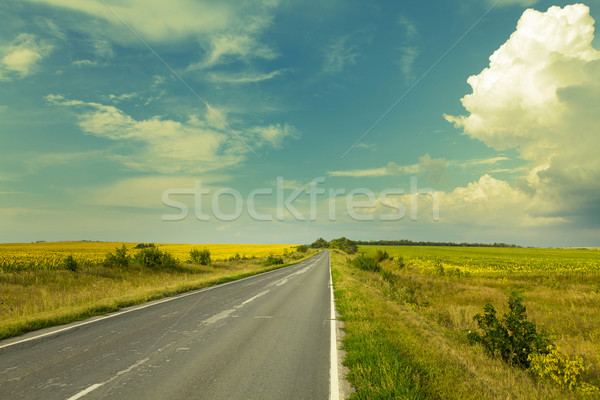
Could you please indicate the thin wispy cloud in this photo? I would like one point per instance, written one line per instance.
(243, 78)
(339, 54)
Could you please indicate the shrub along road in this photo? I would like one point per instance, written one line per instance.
(262, 337)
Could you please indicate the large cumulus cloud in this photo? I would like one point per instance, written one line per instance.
(540, 95)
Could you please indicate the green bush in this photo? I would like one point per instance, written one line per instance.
(70, 263)
(273, 260)
(201, 257)
(400, 262)
(381, 255)
(302, 248)
(154, 258)
(513, 338)
(118, 259)
(168, 261)
(366, 263)
(439, 269)
(389, 276)
(235, 258)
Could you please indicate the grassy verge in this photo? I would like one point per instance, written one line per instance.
(406, 330)
(31, 300)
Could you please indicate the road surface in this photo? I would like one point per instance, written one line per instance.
(263, 337)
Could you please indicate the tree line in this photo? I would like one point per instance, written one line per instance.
(406, 242)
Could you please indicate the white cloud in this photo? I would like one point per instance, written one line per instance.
(477, 6)
(523, 3)
(360, 173)
(408, 50)
(365, 146)
(158, 81)
(390, 169)
(488, 161)
(409, 27)
(494, 202)
(243, 78)
(488, 202)
(339, 54)
(102, 48)
(21, 57)
(435, 168)
(516, 98)
(84, 63)
(228, 48)
(540, 95)
(408, 56)
(155, 20)
(168, 146)
(121, 97)
(227, 30)
(272, 135)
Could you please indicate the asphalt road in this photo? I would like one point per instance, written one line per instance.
(263, 337)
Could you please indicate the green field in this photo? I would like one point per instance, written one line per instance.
(407, 325)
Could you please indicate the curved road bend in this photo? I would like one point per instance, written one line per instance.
(263, 337)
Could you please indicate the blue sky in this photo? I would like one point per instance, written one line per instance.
(112, 111)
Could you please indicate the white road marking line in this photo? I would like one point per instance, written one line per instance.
(97, 385)
(226, 313)
(222, 315)
(170, 314)
(282, 282)
(137, 364)
(252, 299)
(86, 391)
(287, 278)
(271, 275)
(8, 369)
(334, 387)
(136, 308)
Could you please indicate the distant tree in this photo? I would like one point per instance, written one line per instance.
(405, 242)
(143, 245)
(344, 244)
(320, 243)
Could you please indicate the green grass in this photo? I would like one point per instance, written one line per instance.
(36, 299)
(407, 327)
